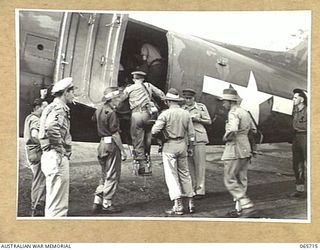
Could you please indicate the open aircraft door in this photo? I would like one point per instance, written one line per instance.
(89, 51)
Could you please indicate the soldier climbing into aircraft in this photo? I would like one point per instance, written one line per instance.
(139, 95)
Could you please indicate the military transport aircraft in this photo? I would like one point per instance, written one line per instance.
(95, 48)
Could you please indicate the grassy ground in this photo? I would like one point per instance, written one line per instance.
(270, 181)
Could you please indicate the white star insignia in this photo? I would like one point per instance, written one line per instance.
(251, 96)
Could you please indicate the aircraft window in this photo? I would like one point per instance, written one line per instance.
(40, 47)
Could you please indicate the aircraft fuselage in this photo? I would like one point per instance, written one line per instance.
(91, 46)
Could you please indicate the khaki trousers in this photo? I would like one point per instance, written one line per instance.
(176, 169)
(235, 177)
(197, 166)
(38, 186)
(56, 170)
(110, 176)
(140, 134)
(299, 158)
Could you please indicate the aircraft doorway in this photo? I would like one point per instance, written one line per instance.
(140, 35)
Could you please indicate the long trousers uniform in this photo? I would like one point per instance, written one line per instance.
(140, 132)
(109, 155)
(33, 153)
(236, 156)
(55, 139)
(178, 124)
(197, 162)
(299, 146)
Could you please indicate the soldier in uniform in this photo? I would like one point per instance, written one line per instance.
(197, 162)
(55, 139)
(139, 95)
(178, 125)
(237, 153)
(110, 151)
(33, 153)
(299, 143)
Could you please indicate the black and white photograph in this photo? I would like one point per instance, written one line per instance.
(163, 115)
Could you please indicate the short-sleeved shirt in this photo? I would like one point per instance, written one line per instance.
(300, 119)
(107, 121)
(201, 110)
(140, 96)
(176, 121)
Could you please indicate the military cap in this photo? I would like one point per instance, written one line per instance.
(173, 95)
(188, 92)
(139, 72)
(302, 93)
(63, 84)
(110, 93)
(230, 95)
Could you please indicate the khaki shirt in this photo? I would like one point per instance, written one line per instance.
(300, 119)
(177, 122)
(54, 132)
(33, 147)
(107, 121)
(237, 127)
(201, 110)
(138, 96)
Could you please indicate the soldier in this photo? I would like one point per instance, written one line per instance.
(299, 143)
(197, 162)
(237, 153)
(55, 139)
(152, 61)
(33, 153)
(177, 123)
(110, 151)
(139, 95)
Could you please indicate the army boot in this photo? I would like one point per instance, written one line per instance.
(109, 208)
(299, 193)
(147, 167)
(247, 207)
(244, 208)
(177, 208)
(191, 205)
(135, 167)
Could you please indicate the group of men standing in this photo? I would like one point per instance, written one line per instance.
(182, 126)
(50, 134)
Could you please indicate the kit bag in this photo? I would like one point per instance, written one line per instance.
(152, 109)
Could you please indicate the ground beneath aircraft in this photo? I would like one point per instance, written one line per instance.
(270, 183)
